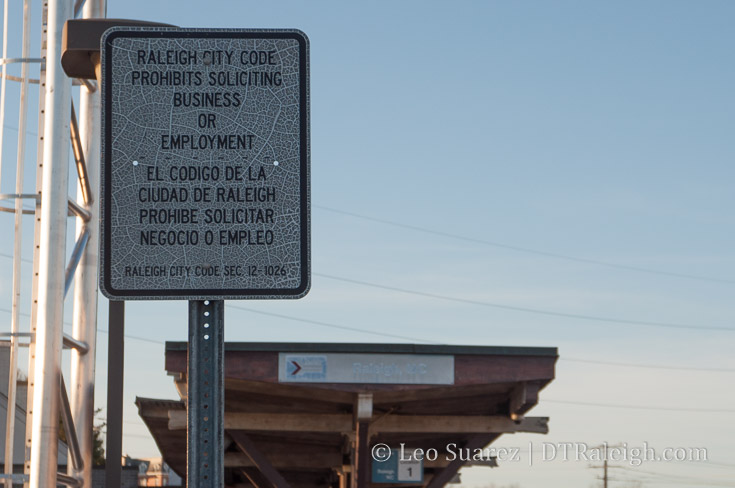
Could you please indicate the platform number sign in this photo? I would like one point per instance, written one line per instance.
(401, 466)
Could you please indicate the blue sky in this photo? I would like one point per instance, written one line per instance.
(596, 130)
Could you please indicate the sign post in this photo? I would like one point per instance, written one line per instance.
(205, 188)
(206, 394)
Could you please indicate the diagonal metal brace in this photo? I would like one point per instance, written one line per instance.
(71, 343)
(90, 84)
(76, 209)
(65, 479)
(76, 145)
(76, 256)
(71, 433)
(78, 7)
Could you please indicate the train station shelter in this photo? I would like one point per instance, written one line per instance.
(358, 415)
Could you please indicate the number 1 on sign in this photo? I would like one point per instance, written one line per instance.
(410, 469)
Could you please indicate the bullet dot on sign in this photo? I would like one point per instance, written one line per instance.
(135, 163)
(275, 163)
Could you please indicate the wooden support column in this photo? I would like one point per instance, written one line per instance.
(342, 476)
(361, 459)
(361, 467)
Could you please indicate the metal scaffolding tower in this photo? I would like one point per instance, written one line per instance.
(47, 400)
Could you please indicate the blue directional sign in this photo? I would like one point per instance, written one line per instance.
(311, 368)
(396, 369)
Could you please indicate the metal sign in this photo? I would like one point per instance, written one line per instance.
(401, 466)
(205, 175)
(399, 369)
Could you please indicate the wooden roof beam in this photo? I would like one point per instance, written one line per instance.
(246, 445)
(523, 398)
(456, 424)
(314, 459)
(344, 423)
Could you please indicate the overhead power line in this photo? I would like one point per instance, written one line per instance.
(424, 341)
(415, 339)
(672, 477)
(525, 249)
(13, 128)
(721, 465)
(641, 407)
(638, 479)
(104, 331)
(648, 366)
(137, 338)
(537, 311)
(10, 256)
(333, 326)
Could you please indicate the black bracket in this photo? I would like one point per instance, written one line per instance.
(80, 43)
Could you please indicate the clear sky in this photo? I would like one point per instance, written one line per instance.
(467, 150)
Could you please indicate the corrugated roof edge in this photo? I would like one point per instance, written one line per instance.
(371, 348)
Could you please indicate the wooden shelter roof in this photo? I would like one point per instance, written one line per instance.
(312, 434)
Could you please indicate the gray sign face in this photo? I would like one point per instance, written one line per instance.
(397, 369)
(205, 174)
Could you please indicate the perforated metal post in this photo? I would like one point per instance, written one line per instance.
(47, 368)
(205, 395)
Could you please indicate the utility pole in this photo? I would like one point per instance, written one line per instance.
(604, 448)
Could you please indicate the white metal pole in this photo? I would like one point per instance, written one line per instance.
(47, 373)
(2, 83)
(33, 325)
(17, 246)
(85, 281)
